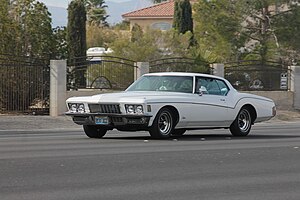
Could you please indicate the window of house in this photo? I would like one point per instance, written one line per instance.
(164, 26)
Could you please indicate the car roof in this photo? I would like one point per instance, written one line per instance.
(181, 74)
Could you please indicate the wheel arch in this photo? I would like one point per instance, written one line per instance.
(174, 111)
(252, 111)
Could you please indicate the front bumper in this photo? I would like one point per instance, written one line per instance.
(114, 120)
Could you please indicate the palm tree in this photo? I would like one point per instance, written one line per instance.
(96, 13)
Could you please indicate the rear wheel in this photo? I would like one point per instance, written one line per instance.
(93, 131)
(163, 124)
(241, 126)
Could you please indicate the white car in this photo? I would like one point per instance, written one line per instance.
(170, 103)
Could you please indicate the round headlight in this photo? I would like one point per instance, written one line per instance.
(130, 109)
(73, 107)
(81, 108)
(139, 109)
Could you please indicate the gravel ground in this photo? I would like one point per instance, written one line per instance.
(30, 122)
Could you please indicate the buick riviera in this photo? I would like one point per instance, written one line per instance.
(169, 103)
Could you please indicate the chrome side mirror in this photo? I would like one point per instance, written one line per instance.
(224, 91)
(202, 90)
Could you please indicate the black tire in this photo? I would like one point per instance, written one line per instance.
(163, 124)
(241, 126)
(178, 132)
(93, 131)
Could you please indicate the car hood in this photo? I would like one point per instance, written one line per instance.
(133, 97)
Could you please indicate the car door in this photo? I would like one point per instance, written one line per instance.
(210, 103)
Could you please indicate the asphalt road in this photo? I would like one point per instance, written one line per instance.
(208, 164)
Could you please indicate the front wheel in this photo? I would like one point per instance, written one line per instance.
(163, 124)
(241, 126)
(93, 131)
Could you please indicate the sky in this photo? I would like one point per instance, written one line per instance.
(64, 3)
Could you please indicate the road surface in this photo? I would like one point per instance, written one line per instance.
(206, 164)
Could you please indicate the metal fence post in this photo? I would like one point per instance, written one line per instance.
(58, 87)
(218, 69)
(142, 68)
(295, 85)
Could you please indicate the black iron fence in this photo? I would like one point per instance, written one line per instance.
(100, 72)
(253, 75)
(24, 85)
(180, 64)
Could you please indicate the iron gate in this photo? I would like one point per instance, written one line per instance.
(24, 85)
(101, 72)
(253, 75)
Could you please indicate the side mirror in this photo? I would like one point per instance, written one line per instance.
(224, 91)
(202, 90)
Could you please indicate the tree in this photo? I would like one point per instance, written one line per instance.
(76, 38)
(123, 25)
(96, 13)
(231, 27)
(6, 27)
(183, 21)
(76, 29)
(26, 34)
(60, 43)
(287, 27)
(100, 36)
(218, 27)
(144, 49)
(136, 33)
(33, 28)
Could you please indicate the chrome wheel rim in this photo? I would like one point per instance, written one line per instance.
(244, 120)
(165, 123)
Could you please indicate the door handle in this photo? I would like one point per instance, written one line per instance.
(222, 99)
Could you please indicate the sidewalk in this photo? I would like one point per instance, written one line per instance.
(30, 122)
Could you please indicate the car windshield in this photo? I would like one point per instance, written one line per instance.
(163, 83)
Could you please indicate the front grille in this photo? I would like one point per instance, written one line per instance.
(105, 108)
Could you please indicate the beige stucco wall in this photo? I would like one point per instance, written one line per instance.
(283, 99)
(145, 23)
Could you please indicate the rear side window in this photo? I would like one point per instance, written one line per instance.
(223, 87)
(211, 86)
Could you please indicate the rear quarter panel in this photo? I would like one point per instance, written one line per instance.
(263, 106)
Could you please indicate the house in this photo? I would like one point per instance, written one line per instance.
(157, 16)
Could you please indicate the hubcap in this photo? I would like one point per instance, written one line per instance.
(244, 120)
(165, 123)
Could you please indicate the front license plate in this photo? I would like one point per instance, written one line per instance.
(101, 120)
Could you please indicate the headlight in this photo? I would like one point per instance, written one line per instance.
(76, 107)
(139, 109)
(81, 108)
(134, 109)
(130, 109)
(73, 107)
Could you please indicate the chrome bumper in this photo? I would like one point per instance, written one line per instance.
(114, 120)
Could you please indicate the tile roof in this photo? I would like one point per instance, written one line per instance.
(165, 9)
